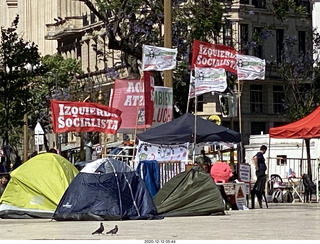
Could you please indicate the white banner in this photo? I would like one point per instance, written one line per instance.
(240, 196)
(148, 151)
(163, 97)
(250, 67)
(208, 80)
(158, 58)
(192, 87)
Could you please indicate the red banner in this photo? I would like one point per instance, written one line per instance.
(205, 54)
(84, 117)
(132, 97)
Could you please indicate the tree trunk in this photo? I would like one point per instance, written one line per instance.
(308, 157)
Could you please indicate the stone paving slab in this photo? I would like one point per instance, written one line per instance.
(295, 221)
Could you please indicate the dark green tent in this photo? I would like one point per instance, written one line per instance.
(189, 193)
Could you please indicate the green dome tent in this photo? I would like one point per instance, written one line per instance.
(36, 187)
(189, 193)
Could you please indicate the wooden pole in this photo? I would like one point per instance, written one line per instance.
(239, 102)
(167, 39)
(195, 129)
(105, 142)
(25, 137)
(137, 117)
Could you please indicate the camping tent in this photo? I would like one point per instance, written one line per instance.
(306, 128)
(106, 189)
(182, 130)
(149, 171)
(36, 187)
(189, 193)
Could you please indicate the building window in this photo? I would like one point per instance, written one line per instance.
(259, 3)
(281, 160)
(85, 20)
(256, 98)
(92, 18)
(258, 51)
(244, 33)
(302, 42)
(257, 128)
(200, 103)
(278, 99)
(64, 138)
(280, 44)
(303, 3)
(227, 34)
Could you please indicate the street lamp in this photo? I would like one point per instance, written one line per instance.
(8, 71)
(57, 136)
(30, 68)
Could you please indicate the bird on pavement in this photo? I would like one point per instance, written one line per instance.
(100, 230)
(113, 231)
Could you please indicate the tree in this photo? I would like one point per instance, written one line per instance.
(300, 74)
(57, 82)
(19, 62)
(131, 23)
(298, 69)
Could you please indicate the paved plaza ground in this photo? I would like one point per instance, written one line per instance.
(294, 221)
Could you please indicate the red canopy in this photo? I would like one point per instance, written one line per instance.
(305, 128)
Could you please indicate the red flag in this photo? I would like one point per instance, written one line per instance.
(132, 96)
(205, 54)
(84, 117)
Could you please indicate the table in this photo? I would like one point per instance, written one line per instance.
(236, 193)
(295, 184)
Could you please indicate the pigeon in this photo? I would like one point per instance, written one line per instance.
(100, 230)
(113, 231)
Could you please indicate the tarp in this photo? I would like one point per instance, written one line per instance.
(221, 172)
(190, 193)
(149, 171)
(305, 128)
(106, 189)
(181, 130)
(36, 187)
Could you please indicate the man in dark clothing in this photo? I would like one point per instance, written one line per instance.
(261, 167)
(206, 159)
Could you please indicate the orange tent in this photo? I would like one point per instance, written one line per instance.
(305, 128)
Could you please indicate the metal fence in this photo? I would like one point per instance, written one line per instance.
(281, 166)
(168, 169)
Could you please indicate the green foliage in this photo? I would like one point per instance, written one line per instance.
(19, 63)
(204, 26)
(132, 23)
(281, 9)
(301, 80)
(28, 82)
(56, 83)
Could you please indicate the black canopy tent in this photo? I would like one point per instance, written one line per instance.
(183, 130)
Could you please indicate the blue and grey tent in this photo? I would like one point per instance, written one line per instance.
(149, 171)
(106, 189)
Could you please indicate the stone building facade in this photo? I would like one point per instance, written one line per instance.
(68, 27)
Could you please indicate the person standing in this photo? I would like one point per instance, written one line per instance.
(4, 182)
(205, 158)
(261, 167)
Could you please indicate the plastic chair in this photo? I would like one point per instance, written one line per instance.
(309, 187)
(278, 190)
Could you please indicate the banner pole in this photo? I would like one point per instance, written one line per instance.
(105, 142)
(189, 91)
(195, 128)
(137, 117)
(239, 102)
